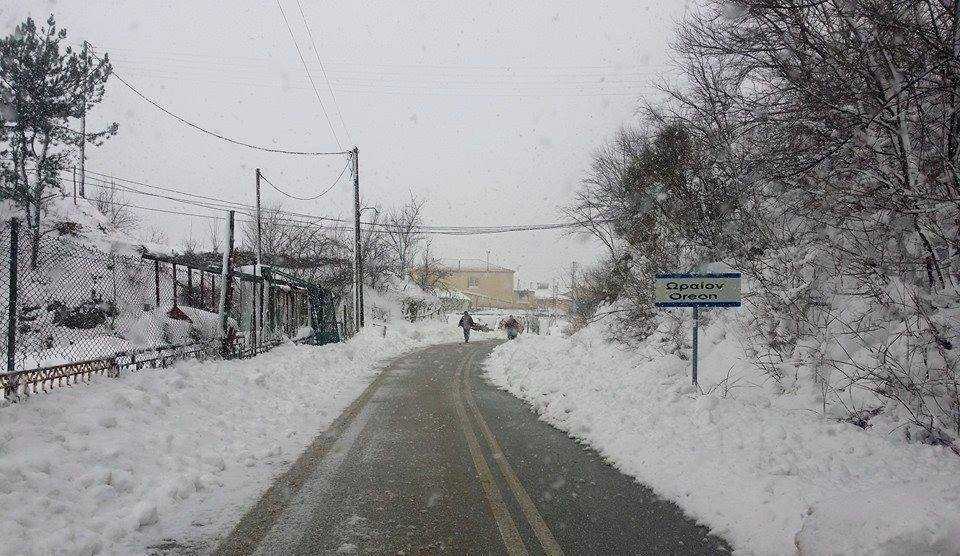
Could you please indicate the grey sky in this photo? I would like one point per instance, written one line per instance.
(489, 110)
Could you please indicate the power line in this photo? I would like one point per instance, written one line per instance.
(323, 71)
(309, 77)
(307, 219)
(314, 198)
(197, 127)
(418, 84)
(207, 202)
(288, 223)
(247, 60)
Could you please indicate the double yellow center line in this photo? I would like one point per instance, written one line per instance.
(463, 397)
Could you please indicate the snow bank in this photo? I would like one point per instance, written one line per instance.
(897, 519)
(752, 463)
(121, 464)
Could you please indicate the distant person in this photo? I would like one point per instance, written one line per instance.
(466, 323)
(512, 326)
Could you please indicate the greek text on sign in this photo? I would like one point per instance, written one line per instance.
(697, 290)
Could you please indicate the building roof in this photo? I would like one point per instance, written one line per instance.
(472, 265)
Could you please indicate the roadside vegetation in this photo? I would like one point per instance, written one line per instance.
(814, 147)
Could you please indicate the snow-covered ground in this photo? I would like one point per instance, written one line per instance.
(121, 464)
(763, 469)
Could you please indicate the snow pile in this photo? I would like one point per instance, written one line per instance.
(762, 467)
(85, 225)
(400, 300)
(121, 464)
(902, 521)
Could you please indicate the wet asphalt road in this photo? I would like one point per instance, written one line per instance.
(432, 460)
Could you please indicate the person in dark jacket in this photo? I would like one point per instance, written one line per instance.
(512, 326)
(466, 323)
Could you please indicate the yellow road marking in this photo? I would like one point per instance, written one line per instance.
(536, 521)
(508, 529)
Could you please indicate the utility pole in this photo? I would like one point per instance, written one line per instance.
(225, 291)
(357, 260)
(573, 284)
(258, 286)
(83, 145)
(488, 260)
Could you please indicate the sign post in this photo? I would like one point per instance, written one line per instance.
(696, 291)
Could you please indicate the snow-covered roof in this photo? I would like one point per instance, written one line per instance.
(473, 265)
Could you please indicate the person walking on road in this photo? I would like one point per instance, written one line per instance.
(512, 326)
(466, 323)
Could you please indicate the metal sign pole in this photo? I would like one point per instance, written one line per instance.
(674, 290)
(696, 325)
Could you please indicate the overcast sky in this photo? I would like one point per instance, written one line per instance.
(488, 110)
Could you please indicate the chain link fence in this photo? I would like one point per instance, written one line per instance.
(70, 310)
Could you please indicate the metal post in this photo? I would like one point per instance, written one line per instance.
(190, 295)
(258, 306)
(225, 289)
(260, 295)
(358, 263)
(156, 274)
(270, 305)
(174, 284)
(696, 325)
(12, 296)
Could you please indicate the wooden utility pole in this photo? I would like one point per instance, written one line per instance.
(357, 259)
(83, 145)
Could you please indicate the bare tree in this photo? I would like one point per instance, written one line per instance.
(214, 240)
(376, 254)
(429, 271)
(116, 209)
(313, 252)
(403, 235)
(817, 151)
(156, 235)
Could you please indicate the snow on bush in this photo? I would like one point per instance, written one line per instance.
(753, 461)
(396, 299)
(121, 464)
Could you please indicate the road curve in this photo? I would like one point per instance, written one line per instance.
(431, 459)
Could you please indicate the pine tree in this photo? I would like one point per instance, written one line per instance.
(45, 86)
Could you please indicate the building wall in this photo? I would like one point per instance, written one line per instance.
(495, 284)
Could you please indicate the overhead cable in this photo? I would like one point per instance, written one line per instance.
(306, 69)
(315, 197)
(222, 137)
(323, 71)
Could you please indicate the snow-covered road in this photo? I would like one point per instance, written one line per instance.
(122, 465)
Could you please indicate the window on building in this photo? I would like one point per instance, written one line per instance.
(473, 282)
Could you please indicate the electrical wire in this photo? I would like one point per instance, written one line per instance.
(308, 220)
(220, 59)
(314, 198)
(306, 69)
(197, 127)
(323, 71)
